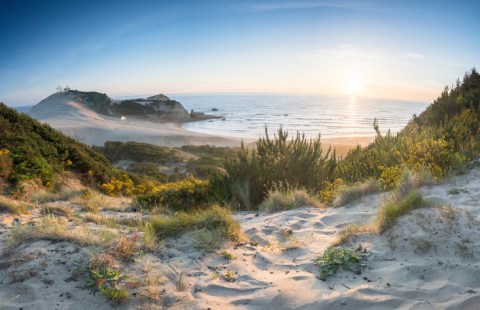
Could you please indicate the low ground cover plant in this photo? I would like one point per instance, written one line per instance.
(335, 258)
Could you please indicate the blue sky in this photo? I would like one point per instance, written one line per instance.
(399, 49)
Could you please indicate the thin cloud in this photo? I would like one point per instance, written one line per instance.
(346, 51)
(413, 55)
(302, 5)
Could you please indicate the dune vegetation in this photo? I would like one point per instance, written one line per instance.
(71, 192)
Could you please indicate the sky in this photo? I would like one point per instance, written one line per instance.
(374, 48)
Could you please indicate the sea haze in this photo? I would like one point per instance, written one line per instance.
(247, 115)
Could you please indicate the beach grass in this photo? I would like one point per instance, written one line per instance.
(212, 218)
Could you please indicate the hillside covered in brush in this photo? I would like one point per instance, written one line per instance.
(438, 140)
(31, 150)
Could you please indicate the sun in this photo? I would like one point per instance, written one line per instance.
(353, 85)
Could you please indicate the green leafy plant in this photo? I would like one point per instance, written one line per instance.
(335, 258)
(102, 276)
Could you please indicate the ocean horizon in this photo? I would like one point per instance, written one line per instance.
(246, 116)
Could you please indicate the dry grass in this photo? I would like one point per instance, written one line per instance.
(286, 200)
(291, 243)
(13, 206)
(57, 229)
(353, 230)
(149, 241)
(213, 218)
(107, 221)
(126, 247)
(67, 188)
(386, 216)
(422, 246)
(392, 210)
(350, 193)
(462, 249)
(103, 260)
(448, 213)
(208, 240)
(182, 282)
(55, 209)
(93, 201)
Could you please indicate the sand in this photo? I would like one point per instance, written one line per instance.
(63, 112)
(428, 260)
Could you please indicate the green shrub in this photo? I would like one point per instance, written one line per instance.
(39, 152)
(331, 190)
(435, 155)
(6, 163)
(298, 162)
(181, 195)
(365, 163)
(28, 165)
(390, 176)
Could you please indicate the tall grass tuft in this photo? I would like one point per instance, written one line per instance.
(347, 194)
(278, 200)
(391, 211)
(13, 206)
(213, 218)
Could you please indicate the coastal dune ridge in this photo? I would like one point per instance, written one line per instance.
(394, 225)
(63, 111)
(75, 116)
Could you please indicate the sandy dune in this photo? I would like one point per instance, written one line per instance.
(64, 113)
(428, 260)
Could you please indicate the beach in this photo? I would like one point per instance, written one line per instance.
(428, 260)
(75, 120)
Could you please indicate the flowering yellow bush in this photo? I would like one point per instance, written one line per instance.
(327, 195)
(435, 155)
(6, 163)
(179, 195)
(390, 176)
(121, 186)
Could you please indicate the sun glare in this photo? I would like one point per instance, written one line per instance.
(353, 85)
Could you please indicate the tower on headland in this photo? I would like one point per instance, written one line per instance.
(60, 89)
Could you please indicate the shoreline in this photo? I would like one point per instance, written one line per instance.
(87, 126)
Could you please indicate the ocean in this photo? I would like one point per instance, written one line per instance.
(246, 116)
